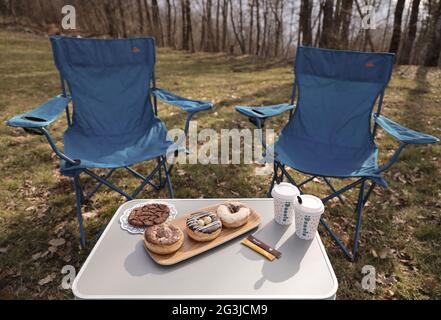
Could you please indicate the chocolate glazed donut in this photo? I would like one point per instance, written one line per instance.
(203, 226)
(163, 239)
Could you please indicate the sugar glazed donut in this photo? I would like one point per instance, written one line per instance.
(203, 226)
(163, 238)
(233, 214)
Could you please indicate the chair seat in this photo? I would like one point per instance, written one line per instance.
(118, 150)
(317, 158)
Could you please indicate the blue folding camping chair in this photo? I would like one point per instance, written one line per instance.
(114, 122)
(330, 133)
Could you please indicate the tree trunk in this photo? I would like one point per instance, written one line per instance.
(209, 46)
(326, 36)
(141, 21)
(411, 33)
(224, 24)
(109, 12)
(169, 23)
(157, 26)
(175, 46)
(123, 19)
(189, 27)
(278, 17)
(238, 34)
(251, 27)
(434, 47)
(202, 40)
(265, 27)
(217, 37)
(185, 35)
(305, 22)
(396, 35)
(345, 18)
(258, 28)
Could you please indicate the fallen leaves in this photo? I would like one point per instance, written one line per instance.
(48, 279)
(90, 215)
(57, 242)
(37, 256)
(384, 253)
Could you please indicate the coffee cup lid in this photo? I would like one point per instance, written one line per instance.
(310, 204)
(286, 191)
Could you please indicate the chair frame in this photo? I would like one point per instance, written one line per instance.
(362, 182)
(162, 170)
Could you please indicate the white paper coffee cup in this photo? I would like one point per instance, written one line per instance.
(307, 216)
(284, 195)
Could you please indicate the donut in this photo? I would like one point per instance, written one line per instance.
(163, 238)
(203, 226)
(233, 214)
(149, 215)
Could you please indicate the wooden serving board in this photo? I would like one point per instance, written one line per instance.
(192, 248)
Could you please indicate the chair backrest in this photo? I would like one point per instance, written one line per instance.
(109, 81)
(337, 91)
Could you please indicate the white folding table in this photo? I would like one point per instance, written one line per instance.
(119, 267)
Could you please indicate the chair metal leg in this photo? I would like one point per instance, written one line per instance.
(78, 194)
(273, 180)
(147, 179)
(170, 186)
(108, 184)
(136, 174)
(359, 211)
(336, 239)
(351, 256)
(288, 176)
(99, 184)
(334, 190)
(168, 179)
(160, 171)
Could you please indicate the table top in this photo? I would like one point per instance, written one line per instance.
(119, 267)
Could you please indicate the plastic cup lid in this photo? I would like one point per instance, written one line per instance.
(310, 204)
(285, 191)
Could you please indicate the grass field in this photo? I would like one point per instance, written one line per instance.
(38, 230)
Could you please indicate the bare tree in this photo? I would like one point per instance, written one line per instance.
(217, 38)
(411, 33)
(434, 39)
(251, 26)
(187, 29)
(169, 23)
(305, 22)
(209, 46)
(396, 35)
(238, 31)
(258, 28)
(123, 19)
(326, 36)
(224, 25)
(156, 19)
(344, 21)
(148, 17)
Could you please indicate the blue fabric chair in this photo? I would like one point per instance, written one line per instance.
(332, 124)
(114, 122)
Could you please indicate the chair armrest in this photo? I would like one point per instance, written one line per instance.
(190, 106)
(404, 134)
(264, 112)
(41, 116)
